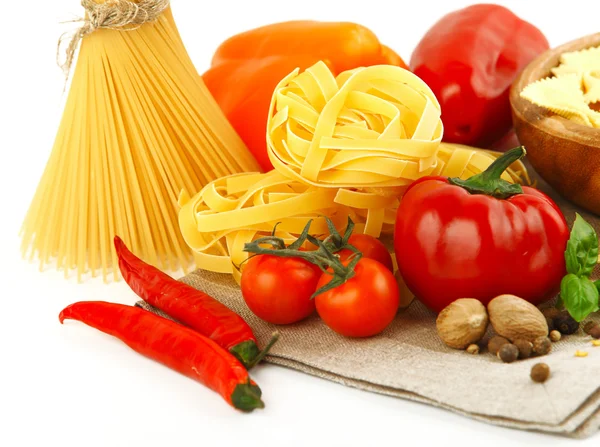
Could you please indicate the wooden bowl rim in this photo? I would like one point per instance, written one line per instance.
(554, 125)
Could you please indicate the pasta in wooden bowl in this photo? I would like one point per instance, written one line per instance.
(556, 118)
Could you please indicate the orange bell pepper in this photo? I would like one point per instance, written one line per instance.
(247, 67)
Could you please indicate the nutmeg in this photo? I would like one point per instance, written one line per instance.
(462, 323)
(514, 318)
(595, 332)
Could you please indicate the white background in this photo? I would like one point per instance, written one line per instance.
(72, 386)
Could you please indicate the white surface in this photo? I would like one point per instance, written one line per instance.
(72, 386)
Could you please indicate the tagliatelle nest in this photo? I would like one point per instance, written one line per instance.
(375, 126)
(234, 210)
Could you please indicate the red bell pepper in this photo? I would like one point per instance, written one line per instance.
(470, 58)
(247, 67)
(479, 238)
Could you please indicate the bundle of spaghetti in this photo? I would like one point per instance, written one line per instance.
(139, 126)
(234, 210)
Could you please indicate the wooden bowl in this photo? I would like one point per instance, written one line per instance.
(564, 153)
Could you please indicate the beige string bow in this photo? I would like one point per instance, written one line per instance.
(111, 14)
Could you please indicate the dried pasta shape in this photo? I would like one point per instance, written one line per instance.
(584, 61)
(378, 126)
(563, 96)
(234, 210)
(139, 125)
(591, 85)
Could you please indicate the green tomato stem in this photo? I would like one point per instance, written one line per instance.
(490, 181)
(322, 257)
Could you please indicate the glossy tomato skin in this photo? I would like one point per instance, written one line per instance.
(278, 290)
(451, 244)
(370, 247)
(364, 305)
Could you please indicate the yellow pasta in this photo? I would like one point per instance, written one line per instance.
(574, 87)
(564, 97)
(234, 210)
(138, 127)
(376, 126)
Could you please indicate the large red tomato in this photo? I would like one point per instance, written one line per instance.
(479, 238)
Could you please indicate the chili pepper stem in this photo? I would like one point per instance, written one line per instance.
(490, 182)
(246, 352)
(262, 354)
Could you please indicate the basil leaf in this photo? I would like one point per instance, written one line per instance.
(597, 284)
(581, 255)
(579, 295)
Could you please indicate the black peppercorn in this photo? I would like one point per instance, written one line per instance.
(508, 353)
(589, 326)
(542, 345)
(551, 312)
(565, 324)
(495, 343)
(525, 348)
(550, 323)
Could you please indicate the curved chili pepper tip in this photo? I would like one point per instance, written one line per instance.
(246, 397)
(64, 314)
(118, 242)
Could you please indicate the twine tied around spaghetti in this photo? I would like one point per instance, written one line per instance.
(125, 15)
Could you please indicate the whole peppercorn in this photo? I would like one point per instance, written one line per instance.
(550, 323)
(473, 349)
(525, 348)
(540, 372)
(551, 312)
(508, 353)
(595, 332)
(565, 324)
(542, 346)
(555, 336)
(495, 343)
(589, 326)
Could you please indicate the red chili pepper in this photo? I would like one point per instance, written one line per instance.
(470, 58)
(176, 346)
(479, 238)
(191, 307)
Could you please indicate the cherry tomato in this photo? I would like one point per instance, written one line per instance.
(370, 247)
(278, 290)
(362, 306)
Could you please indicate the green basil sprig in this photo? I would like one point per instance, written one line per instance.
(579, 295)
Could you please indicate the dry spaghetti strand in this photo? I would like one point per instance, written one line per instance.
(139, 126)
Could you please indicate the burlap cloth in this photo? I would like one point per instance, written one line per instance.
(409, 361)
